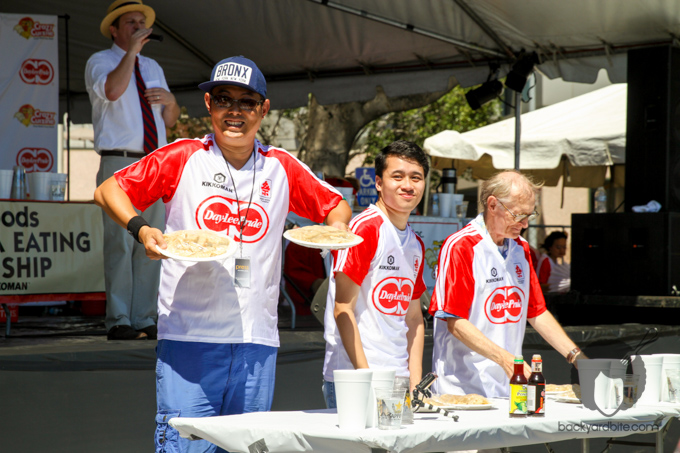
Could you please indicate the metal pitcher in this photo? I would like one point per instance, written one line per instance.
(19, 187)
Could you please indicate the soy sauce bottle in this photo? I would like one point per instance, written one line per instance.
(536, 388)
(518, 390)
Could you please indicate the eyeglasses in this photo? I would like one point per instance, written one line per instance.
(224, 101)
(520, 217)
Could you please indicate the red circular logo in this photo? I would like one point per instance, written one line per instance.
(221, 214)
(504, 305)
(35, 159)
(393, 295)
(36, 72)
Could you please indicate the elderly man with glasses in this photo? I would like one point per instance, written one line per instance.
(486, 291)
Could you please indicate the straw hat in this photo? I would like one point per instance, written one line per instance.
(120, 7)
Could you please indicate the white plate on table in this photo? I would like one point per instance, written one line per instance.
(567, 399)
(231, 250)
(458, 407)
(315, 245)
(554, 395)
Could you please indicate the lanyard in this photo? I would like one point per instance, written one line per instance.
(238, 205)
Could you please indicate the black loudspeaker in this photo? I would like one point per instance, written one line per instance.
(653, 128)
(626, 254)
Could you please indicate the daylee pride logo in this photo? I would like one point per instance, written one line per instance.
(35, 159)
(392, 295)
(36, 72)
(504, 305)
(221, 214)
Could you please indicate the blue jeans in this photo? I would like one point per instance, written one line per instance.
(328, 389)
(208, 379)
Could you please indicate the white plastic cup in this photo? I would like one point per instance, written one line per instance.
(390, 404)
(352, 390)
(652, 377)
(58, 187)
(596, 378)
(157, 108)
(5, 183)
(457, 199)
(673, 384)
(670, 362)
(348, 193)
(461, 210)
(382, 379)
(404, 383)
(624, 390)
(446, 205)
(39, 185)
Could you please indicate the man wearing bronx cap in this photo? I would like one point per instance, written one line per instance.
(217, 321)
(131, 107)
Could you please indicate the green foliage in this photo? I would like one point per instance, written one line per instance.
(187, 127)
(450, 112)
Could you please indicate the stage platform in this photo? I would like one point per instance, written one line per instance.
(65, 388)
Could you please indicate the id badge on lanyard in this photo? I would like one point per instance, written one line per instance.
(242, 272)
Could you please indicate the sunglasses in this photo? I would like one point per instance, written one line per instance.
(520, 217)
(225, 102)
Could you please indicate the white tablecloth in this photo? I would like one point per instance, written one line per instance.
(317, 430)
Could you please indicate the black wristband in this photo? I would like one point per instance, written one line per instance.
(134, 225)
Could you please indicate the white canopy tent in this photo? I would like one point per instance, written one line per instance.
(577, 139)
(342, 50)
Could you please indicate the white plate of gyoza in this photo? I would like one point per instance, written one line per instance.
(198, 246)
(323, 237)
(470, 402)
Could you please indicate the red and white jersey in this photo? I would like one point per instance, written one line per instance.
(199, 301)
(557, 276)
(390, 276)
(495, 294)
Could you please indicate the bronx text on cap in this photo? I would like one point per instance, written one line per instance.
(233, 72)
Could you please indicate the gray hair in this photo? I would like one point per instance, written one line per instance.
(504, 183)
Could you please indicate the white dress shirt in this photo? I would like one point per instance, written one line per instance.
(118, 124)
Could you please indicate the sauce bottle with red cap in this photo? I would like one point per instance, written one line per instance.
(536, 388)
(518, 389)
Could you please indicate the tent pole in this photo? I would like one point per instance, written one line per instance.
(66, 18)
(518, 126)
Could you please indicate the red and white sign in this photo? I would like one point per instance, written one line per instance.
(29, 97)
(35, 159)
(225, 215)
(13, 314)
(504, 305)
(392, 295)
(36, 72)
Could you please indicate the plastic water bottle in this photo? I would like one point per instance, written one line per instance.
(435, 205)
(600, 200)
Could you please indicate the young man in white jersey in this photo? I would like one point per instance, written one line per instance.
(373, 316)
(486, 290)
(217, 328)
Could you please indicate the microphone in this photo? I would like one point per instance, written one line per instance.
(155, 37)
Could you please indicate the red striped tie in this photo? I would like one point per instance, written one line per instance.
(150, 132)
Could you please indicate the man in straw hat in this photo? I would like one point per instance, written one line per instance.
(131, 107)
(217, 320)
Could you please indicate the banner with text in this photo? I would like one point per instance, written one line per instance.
(51, 248)
(29, 91)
